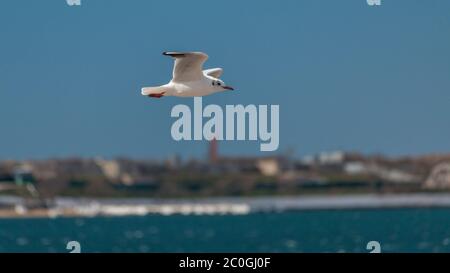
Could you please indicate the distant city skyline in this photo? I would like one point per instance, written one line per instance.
(347, 76)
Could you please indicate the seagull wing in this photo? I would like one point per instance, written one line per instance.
(213, 72)
(188, 65)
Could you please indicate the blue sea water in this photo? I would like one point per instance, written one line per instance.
(405, 230)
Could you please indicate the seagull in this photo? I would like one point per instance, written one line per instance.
(189, 79)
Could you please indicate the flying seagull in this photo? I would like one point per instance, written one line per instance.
(189, 79)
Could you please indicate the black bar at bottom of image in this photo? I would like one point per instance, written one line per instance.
(226, 262)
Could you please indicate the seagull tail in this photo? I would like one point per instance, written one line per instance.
(148, 91)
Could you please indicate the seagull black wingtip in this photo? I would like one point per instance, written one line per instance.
(173, 54)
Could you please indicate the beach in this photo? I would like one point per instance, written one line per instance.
(85, 207)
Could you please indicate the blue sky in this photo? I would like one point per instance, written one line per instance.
(346, 76)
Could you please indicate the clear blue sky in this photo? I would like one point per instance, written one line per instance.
(346, 76)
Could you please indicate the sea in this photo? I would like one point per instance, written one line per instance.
(327, 231)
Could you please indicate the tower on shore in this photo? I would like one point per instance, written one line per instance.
(213, 151)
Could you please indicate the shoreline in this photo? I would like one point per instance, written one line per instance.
(87, 207)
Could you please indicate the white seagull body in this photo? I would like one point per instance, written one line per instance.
(189, 79)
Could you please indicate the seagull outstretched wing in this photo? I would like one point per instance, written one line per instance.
(188, 65)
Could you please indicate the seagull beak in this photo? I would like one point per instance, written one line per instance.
(228, 87)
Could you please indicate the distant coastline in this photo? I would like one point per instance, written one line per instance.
(328, 173)
(77, 187)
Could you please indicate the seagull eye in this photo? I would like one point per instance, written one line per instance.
(218, 83)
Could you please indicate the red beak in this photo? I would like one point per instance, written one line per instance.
(228, 87)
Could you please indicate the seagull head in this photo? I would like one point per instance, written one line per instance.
(219, 85)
